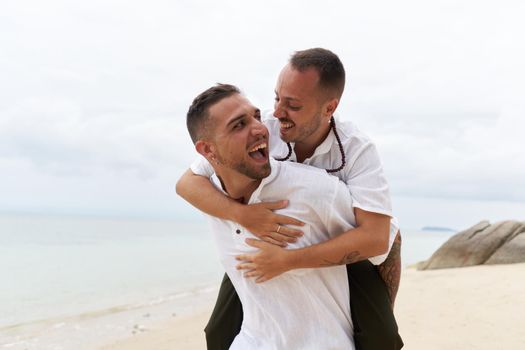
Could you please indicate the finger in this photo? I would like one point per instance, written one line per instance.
(244, 257)
(280, 238)
(246, 266)
(255, 243)
(274, 241)
(288, 220)
(275, 205)
(290, 232)
(261, 279)
(251, 274)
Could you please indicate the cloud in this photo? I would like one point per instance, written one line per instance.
(57, 136)
(94, 94)
(478, 158)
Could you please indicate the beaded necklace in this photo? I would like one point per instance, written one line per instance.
(332, 125)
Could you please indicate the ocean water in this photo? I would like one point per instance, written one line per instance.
(60, 272)
(418, 245)
(63, 275)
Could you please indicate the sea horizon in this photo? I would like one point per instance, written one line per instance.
(102, 278)
(55, 249)
(88, 278)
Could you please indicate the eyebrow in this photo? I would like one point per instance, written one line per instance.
(235, 119)
(288, 98)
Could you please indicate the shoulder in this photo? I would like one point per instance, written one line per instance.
(350, 133)
(306, 176)
(356, 144)
(311, 191)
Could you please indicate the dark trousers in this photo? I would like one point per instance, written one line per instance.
(375, 327)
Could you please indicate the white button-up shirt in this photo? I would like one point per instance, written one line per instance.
(362, 173)
(300, 309)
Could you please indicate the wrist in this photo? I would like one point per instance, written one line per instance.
(293, 258)
(235, 212)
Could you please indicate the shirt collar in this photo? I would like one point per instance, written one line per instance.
(275, 169)
(327, 143)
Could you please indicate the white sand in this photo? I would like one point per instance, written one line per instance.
(481, 307)
(184, 332)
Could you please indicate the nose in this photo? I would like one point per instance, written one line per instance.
(278, 110)
(258, 128)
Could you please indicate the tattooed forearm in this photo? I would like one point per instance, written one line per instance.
(390, 269)
(345, 260)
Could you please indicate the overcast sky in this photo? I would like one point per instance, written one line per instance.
(93, 94)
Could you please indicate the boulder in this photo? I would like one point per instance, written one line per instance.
(476, 246)
(512, 251)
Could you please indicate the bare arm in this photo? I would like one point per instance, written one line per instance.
(257, 218)
(200, 192)
(390, 269)
(369, 238)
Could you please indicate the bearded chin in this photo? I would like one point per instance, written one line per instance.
(242, 167)
(286, 138)
(252, 173)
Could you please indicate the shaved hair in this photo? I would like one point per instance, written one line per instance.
(197, 118)
(327, 64)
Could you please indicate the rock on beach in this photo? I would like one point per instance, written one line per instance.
(484, 243)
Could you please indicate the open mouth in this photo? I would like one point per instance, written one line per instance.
(259, 152)
(286, 125)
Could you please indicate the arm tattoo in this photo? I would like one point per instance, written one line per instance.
(349, 258)
(390, 269)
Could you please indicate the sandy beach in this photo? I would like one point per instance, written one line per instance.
(478, 307)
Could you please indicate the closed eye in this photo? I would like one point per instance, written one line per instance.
(292, 108)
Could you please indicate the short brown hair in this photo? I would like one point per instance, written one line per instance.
(198, 113)
(326, 63)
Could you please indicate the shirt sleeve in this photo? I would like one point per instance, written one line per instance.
(379, 259)
(340, 218)
(366, 181)
(202, 167)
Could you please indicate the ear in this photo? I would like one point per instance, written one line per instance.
(207, 150)
(329, 107)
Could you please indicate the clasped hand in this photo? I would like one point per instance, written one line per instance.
(271, 260)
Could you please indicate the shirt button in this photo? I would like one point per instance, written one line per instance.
(238, 231)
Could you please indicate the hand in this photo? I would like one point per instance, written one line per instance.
(269, 262)
(260, 220)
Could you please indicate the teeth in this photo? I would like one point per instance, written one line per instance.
(256, 148)
(286, 125)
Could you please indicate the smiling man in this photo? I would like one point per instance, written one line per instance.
(305, 130)
(300, 309)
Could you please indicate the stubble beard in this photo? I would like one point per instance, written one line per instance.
(304, 131)
(255, 174)
(242, 167)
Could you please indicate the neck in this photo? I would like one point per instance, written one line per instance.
(237, 185)
(306, 148)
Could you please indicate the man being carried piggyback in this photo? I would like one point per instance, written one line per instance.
(303, 129)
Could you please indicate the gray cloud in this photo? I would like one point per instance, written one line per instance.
(94, 94)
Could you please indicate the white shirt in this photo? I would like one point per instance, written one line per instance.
(362, 173)
(300, 309)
